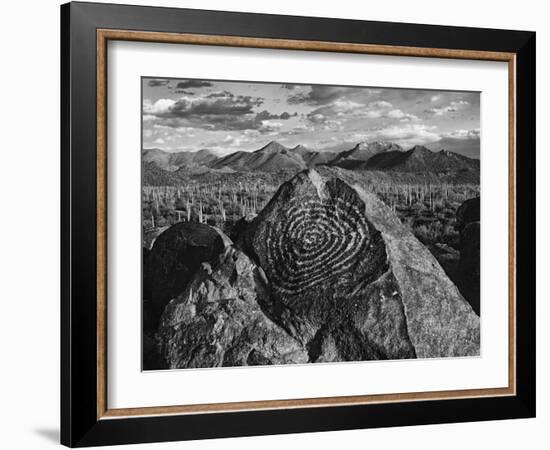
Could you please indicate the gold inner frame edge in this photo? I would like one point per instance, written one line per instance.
(103, 36)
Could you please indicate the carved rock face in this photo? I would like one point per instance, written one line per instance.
(349, 281)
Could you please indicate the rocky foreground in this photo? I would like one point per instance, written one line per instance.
(326, 272)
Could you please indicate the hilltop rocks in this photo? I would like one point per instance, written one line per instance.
(468, 224)
(217, 321)
(349, 281)
(176, 255)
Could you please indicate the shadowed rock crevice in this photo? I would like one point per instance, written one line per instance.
(173, 260)
(469, 226)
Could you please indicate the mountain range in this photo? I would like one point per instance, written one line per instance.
(270, 158)
(420, 159)
(273, 157)
(174, 161)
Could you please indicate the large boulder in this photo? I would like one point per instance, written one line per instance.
(467, 213)
(349, 281)
(175, 257)
(149, 236)
(468, 225)
(217, 320)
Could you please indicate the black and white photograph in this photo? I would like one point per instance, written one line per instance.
(289, 223)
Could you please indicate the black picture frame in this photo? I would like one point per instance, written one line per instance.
(80, 425)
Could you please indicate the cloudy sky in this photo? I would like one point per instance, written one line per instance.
(188, 115)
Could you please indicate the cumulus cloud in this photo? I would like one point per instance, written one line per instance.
(300, 129)
(340, 107)
(269, 126)
(321, 95)
(466, 142)
(333, 125)
(219, 94)
(413, 133)
(463, 134)
(160, 106)
(402, 116)
(157, 82)
(316, 117)
(229, 143)
(187, 84)
(204, 109)
(382, 104)
(219, 110)
(266, 115)
(451, 107)
(343, 109)
(404, 135)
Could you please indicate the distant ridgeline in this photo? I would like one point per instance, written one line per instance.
(415, 165)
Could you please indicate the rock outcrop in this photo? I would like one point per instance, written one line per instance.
(349, 281)
(172, 262)
(217, 320)
(468, 225)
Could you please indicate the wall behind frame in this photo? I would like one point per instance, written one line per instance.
(29, 224)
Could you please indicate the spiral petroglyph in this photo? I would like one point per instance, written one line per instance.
(316, 239)
(316, 244)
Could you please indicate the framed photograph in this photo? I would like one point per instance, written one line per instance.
(276, 224)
